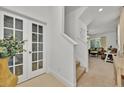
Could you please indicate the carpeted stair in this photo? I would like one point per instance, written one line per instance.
(79, 70)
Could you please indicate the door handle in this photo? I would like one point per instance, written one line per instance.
(30, 52)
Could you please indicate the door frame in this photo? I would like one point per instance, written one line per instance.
(27, 30)
(43, 70)
(2, 13)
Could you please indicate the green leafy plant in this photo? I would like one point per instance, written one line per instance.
(10, 47)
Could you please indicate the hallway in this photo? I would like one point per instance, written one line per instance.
(100, 74)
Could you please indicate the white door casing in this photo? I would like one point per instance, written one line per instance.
(21, 28)
(38, 64)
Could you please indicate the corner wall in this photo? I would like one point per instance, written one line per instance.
(76, 29)
(61, 62)
(72, 20)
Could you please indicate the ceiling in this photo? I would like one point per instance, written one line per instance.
(69, 9)
(99, 22)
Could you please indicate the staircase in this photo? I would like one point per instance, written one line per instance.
(79, 71)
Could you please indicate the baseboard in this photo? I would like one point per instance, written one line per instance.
(87, 69)
(83, 65)
(61, 78)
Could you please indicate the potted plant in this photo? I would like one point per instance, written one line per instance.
(8, 47)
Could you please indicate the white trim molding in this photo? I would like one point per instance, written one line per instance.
(61, 78)
(24, 16)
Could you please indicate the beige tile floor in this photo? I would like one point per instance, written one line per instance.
(45, 80)
(100, 74)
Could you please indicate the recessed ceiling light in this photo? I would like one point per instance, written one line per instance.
(100, 10)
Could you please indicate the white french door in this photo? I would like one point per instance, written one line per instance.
(12, 25)
(32, 62)
(36, 49)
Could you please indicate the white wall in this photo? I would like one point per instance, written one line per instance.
(81, 54)
(70, 25)
(72, 22)
(76, 29)
(62, 59)
(38, 12)
(111, 38)
(81, 50)
(81, 31)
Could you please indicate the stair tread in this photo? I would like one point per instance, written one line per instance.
(77, 64)
(80, 71)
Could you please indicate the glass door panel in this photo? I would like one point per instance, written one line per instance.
(37, 49)
(8, 32)
(14, 27)
(8, 21)
(34, 47)
(19, 36)
(30, 63)
(18, 24)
